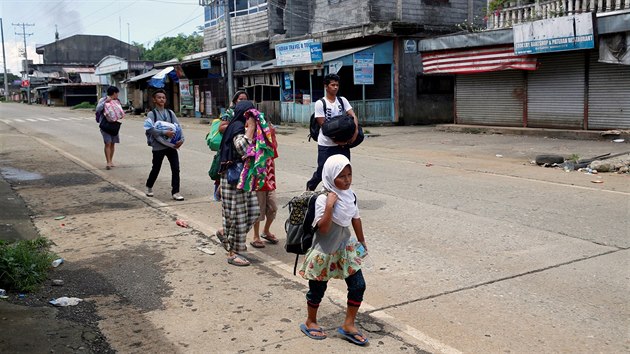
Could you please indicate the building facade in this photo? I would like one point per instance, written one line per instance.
(373, 32)
(552, 64)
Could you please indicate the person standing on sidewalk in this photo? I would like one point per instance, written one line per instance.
(108, 139)
(161, 146)
(326, 147)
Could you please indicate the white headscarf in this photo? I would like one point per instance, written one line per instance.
(345, 207)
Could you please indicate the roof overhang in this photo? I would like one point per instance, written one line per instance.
(271, 65)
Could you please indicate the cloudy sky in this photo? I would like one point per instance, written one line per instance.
(142, 21)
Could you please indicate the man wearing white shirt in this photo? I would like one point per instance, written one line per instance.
(326, 147)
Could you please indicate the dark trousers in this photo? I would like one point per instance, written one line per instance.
(356, 288)
(323, 153)
(173, 159)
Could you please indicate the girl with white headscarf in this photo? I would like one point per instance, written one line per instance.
(334, 254)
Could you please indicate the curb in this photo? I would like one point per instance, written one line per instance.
(541, 132)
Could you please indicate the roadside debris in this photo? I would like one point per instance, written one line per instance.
(57, 282)
(428, 164)
(181, 223)
(619, 140)
(499, 155)
(3, 294)
(65, 301)
(61, 217)
(206, 250)
(619, 163)
(597, 181)
(57, 262)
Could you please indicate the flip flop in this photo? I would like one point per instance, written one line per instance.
(350, 336)
(309, 332)
(257, 244)
(270, 238)
(238, 260)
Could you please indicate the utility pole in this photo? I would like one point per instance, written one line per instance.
(228, 40)
(228, 45)
(28, 87)
(4, 63)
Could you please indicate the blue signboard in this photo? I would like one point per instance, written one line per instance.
(363, 67)
(205, 63)
(298, 53)
(555, 34)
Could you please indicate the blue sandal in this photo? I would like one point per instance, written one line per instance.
(309, 332)
(351, 336)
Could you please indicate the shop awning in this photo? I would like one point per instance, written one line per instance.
(146, 75)
(473, 61)
(158, 80)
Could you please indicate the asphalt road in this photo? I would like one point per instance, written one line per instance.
(473, 248)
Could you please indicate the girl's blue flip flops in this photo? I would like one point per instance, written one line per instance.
(309, 332)
(351, 336)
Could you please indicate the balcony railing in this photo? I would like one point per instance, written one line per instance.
(509, 16)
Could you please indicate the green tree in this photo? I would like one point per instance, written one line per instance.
(10, 78)
(172, 47)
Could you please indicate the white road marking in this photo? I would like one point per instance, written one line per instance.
(42, 119)
(18, 120)
(31, 120)
(53, 119)
(64, 118)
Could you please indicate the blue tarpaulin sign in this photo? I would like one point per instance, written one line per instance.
(363, 67)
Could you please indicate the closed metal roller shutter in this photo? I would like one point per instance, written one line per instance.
(491, 98)
(608, 95)
(555, 92)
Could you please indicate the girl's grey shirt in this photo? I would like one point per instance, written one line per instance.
(337, 235)
(160, 141)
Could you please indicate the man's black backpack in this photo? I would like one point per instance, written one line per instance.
(314, 126)
(299, 224)
(146, 132)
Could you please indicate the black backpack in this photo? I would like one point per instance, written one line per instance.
(314, 126)
(299, 224)
(146, 132)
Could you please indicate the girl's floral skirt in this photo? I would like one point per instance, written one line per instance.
(341, 264)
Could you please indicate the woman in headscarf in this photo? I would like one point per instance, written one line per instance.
(226, 118)
(240, 207)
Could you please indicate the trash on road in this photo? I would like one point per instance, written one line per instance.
(3, 294)
(619, 140)
(57, 282)
(597, 181)
(206, 250)
(65, 301)
(61, 217)
(429, 164)
(57, 262)
(499, 155)
(182, 223)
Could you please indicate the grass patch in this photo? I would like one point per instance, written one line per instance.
(574, 158)
(84, 105)
(24, 264)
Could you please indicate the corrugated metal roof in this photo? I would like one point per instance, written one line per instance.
(77, 70)
(198, 56)
(89, 78)
(146, 75)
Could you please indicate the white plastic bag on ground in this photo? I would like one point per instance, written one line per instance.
(66, 301)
